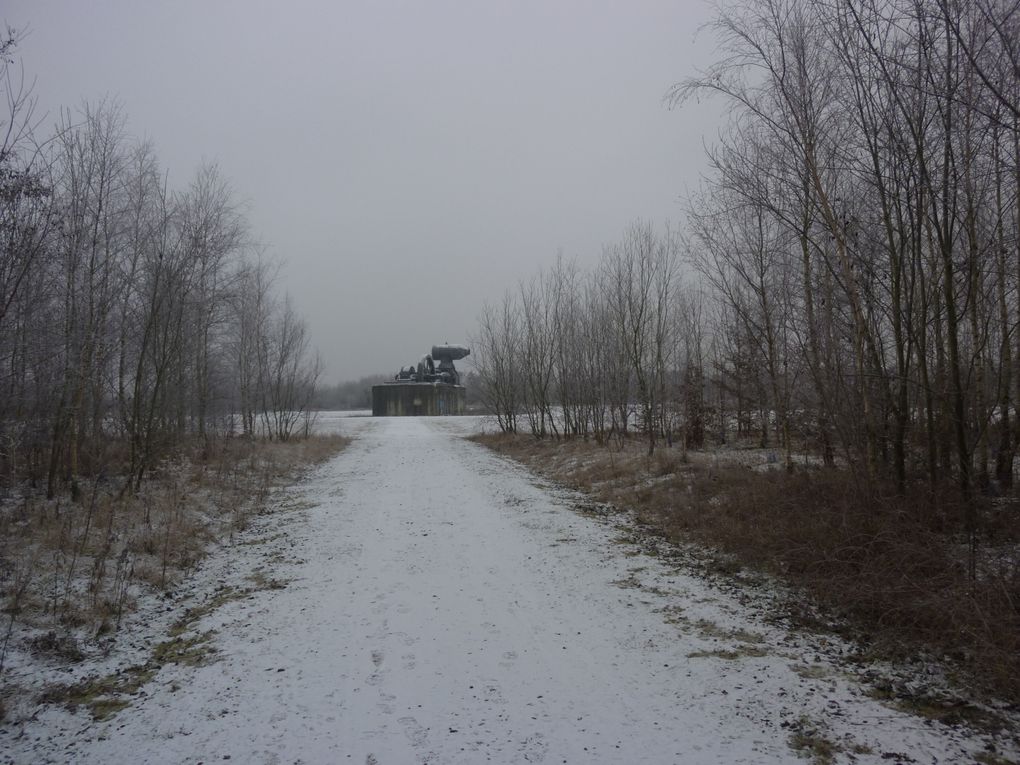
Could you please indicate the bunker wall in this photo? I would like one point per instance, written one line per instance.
(414, 399)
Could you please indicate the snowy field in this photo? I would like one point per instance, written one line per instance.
(444, 606)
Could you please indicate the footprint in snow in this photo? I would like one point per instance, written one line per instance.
(534, 748)
(416, 734)
(492, 694)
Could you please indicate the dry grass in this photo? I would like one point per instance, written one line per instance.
(812, 740)
(69, 571)
(890, 569)
(105, 696)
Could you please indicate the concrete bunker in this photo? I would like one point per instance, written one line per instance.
(429, 388)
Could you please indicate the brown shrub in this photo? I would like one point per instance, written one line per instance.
(80, 564)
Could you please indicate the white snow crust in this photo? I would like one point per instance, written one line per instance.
(445, 606)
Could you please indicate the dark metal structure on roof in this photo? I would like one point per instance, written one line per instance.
(431, 387)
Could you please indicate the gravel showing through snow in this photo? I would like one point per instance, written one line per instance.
(444, 606)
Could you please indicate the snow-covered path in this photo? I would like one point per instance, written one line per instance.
(444, 607)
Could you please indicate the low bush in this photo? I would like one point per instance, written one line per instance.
(70, 570)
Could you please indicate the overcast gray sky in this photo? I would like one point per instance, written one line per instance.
(407, 161)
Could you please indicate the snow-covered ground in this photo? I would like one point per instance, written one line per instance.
(442, 605)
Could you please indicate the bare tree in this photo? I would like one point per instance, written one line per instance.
(214, 232)
(496, 359)
(289, 371)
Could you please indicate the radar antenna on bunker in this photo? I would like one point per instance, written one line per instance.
(431, 386)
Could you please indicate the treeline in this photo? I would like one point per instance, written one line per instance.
(133, 316)
(856, 252)
(598, 354)
(349, 395)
